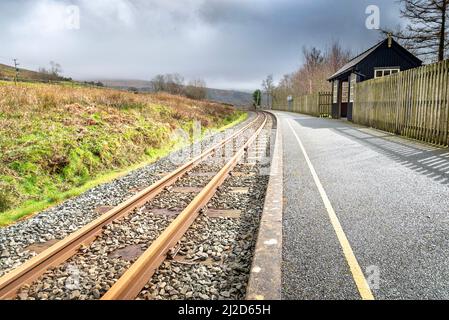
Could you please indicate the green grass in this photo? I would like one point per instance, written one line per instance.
(32, 206)
(57, 142)
(242, 116)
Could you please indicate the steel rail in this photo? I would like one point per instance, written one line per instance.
(134, 279)
(32, 269)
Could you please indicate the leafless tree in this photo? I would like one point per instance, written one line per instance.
(158, 83)
(55, 68)
(52, 73)
(313, 57)
(336, 57)
(268, 88)
(312, 76)
(174, 83)
(171, 83)
(426, 32)
(196, 89)
(283, 89)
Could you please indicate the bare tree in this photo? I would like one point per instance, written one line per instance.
(158, 83)
(313, 57)
(268, 87)
(174, 83)
(426, 33)
(311, 76)
(196, 89)
(52, 73)
(336, 57)
(314, 61)
(55, 69)
(283, 89)
(171, 83)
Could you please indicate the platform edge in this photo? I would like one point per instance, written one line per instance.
(265, 281)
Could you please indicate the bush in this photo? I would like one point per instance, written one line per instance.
(6, 196)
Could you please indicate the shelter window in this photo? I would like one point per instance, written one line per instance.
(353, 81)
(383, 72)
(335, 92)
(344, 92)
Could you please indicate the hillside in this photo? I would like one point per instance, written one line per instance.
(9, 72)
(55, 138)
(142, 85)
(233, 97)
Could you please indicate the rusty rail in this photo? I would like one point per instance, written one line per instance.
(134, 279)
(66, 248)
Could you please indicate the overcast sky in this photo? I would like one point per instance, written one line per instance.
(229, 43)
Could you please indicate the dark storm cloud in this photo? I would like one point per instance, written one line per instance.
(230, 43)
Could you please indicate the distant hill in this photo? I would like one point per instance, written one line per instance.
(233, 97)
(238, 98)
(141, 85)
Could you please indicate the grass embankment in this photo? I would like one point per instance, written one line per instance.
(57, 142)
(10, 72)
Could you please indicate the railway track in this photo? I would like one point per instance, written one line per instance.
(137, 275)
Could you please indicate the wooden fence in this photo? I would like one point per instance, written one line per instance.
(325, 104)
(413, 103)
(318, 104)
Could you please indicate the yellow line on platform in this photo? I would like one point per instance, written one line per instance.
(357, 274)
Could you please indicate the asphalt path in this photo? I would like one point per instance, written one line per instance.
(386, 195)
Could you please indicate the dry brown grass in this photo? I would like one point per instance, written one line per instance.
(54, 138)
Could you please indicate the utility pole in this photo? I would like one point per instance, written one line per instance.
(16, 66)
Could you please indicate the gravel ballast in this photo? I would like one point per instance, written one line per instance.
(216, 252)
(214, 257)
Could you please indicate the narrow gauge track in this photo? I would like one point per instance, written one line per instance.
(132, 281)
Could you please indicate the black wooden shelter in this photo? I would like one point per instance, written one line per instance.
(385, 58)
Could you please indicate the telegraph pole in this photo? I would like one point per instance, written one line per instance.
(16, 66)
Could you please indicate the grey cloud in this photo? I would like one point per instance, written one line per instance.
(230, 43)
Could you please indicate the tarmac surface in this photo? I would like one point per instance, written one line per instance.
(390, 196)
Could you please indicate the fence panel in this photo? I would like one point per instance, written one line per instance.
(325, 104)
(318, 104)
(413, 103)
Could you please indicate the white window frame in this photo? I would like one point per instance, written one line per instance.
(345, 92)
(335, 91)
(383, 70)
(352, 82)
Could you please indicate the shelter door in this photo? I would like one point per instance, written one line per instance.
(344, 110)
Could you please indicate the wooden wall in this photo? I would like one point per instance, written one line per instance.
(413, 103)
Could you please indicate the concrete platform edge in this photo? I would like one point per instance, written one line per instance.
(266, 271)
